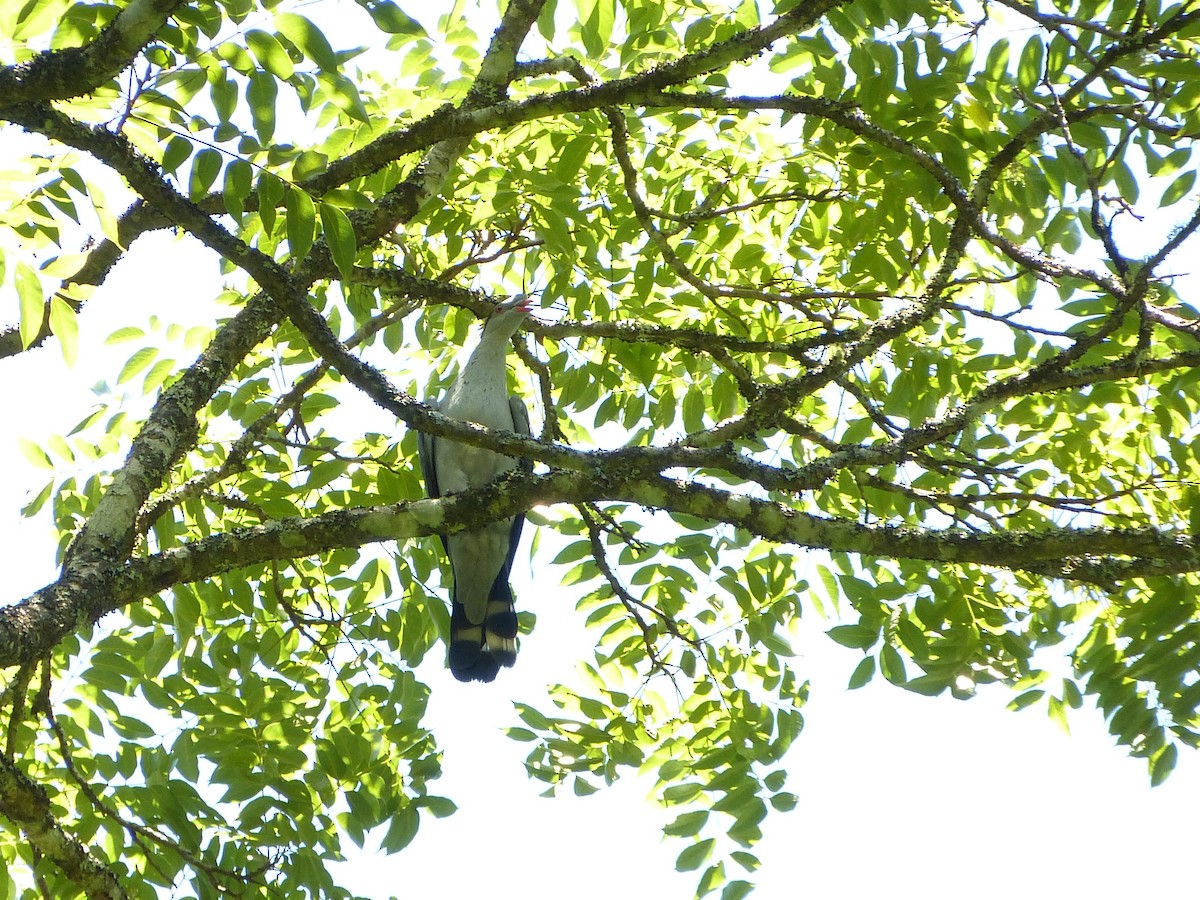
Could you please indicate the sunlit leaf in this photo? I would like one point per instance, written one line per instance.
(339, 235)
(309, 38)
(32, 303)
(270, 53)
(65, 325)
(301, 221)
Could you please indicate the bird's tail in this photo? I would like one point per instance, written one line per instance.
(478, 651)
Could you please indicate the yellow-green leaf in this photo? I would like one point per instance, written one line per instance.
(32, 309)
(309, 38)
(35, 454)
(136, 363)
(65, 326)
(270, 53)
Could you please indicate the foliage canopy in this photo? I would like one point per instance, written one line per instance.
(862, 308)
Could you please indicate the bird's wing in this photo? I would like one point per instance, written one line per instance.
(428, 461)
(425, 443)
(500, 589)
(520, 417)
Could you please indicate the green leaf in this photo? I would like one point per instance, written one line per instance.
(301, 221)
(161, 650)
(1178, 189)
(545, 22)
(596, 24)
(136, 363)
(858, 637)
(176, 153)
(747, 861)
(713, 877)
(392, 19)
(681, 793)
(186, 614)
(932, 685)
(339, 236)
(583, 788)
(270, 193)
(262, 94)
(309, 38)
(1071, 694)
(34, 19)
(891, 664)
(206, 165)
(237, 187)
(343, 93)
(325, 473)
(308, 164)
(1057, 711)
(695, 856)
(784, 802)
(1031, 65)
(441, 807)
(105, 215)
(863, 673)
(1163, 764)
(224, 95)
(736, 890)
(1026, 699)
(34, 454)
(34, 506)
(32, 303)
(688, 824)
(996, 66)
(126, 333)
(401, 831)
(270, 54)
(532, 717)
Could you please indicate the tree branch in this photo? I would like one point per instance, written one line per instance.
(26, 805)
(62, 74)
(30, 628)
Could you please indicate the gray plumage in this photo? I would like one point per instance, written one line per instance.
(483, 617)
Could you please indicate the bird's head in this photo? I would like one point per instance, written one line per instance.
(510, 313)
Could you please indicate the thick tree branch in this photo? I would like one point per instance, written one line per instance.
(62, 74)
(32, 627)
(26, 805)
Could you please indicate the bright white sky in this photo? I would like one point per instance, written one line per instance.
(900, 795)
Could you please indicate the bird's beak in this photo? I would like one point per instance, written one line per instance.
(522, 302)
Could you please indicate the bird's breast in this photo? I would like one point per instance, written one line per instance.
(459, 466)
